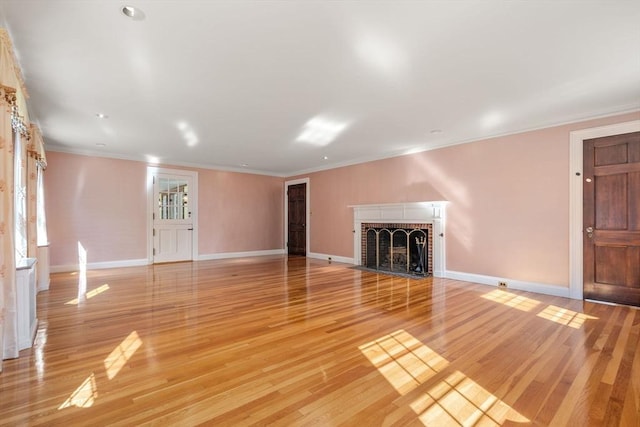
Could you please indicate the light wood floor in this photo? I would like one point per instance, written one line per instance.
(277, 341)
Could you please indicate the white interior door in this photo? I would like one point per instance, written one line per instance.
(173, 228)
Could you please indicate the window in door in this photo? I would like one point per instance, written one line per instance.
(173, 198)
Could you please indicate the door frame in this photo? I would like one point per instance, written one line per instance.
(576, 139)
(287, 184)
(193, 202)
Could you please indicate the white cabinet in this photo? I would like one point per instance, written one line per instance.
(26, 302)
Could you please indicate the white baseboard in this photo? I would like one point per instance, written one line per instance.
(226, 255)
(326, 257)
(539, 288)
(100, 265)
(140, 262)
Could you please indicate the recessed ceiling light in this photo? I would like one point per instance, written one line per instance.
(133, 13)
(100, 144)
(436, 131)
(244, 165)
(129, 11)
(325, 158)
(102, 116)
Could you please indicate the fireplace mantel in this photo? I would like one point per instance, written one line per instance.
(417, 212)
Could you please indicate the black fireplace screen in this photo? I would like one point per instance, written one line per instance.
(397, 250)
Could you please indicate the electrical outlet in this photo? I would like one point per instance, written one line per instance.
(502, 284)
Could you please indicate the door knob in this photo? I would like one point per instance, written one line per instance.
(589, 231)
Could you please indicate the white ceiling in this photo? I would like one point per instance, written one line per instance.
(230, 83)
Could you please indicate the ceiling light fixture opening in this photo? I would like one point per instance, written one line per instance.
(102, 116)
(133, 13)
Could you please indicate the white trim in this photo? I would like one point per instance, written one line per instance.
(171, 163)
(193, 202)
(538, 288)
(576, 139)
(330, 258)
(100, 265)
(308, 213)
(227, 255)
(432, 212)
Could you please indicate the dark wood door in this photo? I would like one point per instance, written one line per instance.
(297, 202)
(611, 223)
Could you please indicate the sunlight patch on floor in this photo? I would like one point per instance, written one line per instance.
(406, 363)
(458, 400)
(92, 293)
(87, 393)
(403, 360)
(121, 354)
(84, 396)
(511, 300)
(564, 316)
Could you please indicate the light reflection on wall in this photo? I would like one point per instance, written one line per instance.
(453, 190)
(82, 266)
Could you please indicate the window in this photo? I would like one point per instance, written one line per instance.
(173, 198)
(20, 195)
(41, 219)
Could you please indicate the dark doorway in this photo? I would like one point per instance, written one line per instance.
(297, 212)
(611, 223)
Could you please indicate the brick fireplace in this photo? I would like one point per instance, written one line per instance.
(401, 237)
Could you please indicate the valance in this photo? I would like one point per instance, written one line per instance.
(35, 146)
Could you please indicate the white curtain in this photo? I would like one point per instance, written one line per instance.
(8, 325)
(12, 105)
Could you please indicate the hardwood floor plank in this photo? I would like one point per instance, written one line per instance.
(294, 341)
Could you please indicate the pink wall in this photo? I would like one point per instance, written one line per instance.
(98, 202)
(102, 203)
(508, 214)
(239, 212)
